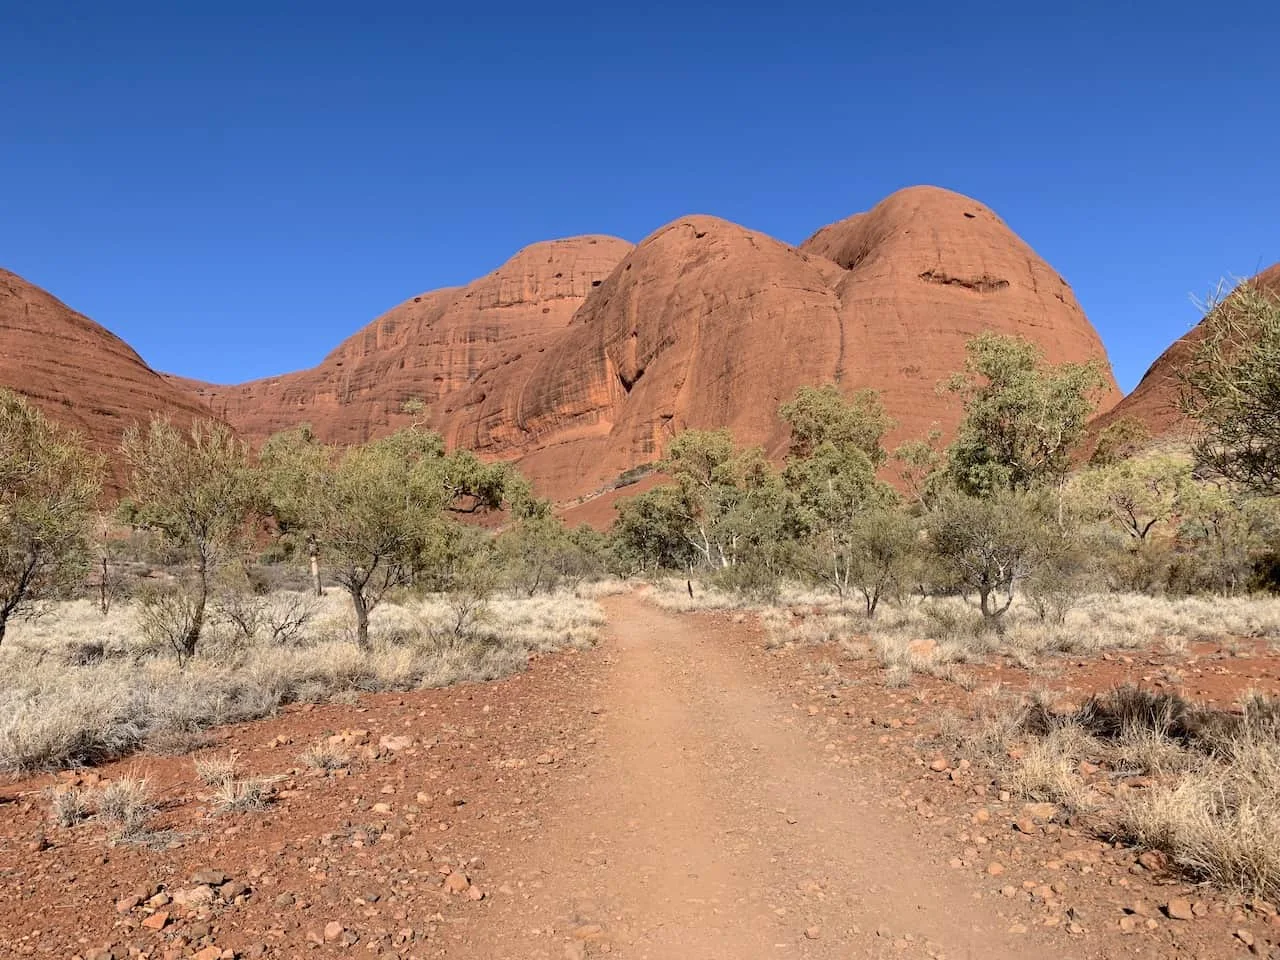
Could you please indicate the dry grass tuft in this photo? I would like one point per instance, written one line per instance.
(59, 710)
(325, 756)
(69, 807)
(126, 804)
(215, 770)
(233, 795)
(1214, 806)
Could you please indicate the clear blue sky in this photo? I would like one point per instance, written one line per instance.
(234, 191)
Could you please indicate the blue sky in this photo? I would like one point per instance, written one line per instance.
(234, 191)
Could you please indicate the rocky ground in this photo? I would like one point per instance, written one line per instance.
(679, 791)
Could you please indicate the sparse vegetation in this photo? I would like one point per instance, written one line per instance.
(214, 770)
(196, 490)
(69, 807)
(48, 484)
(1213, 800)
(324, 756)
(1232, 388)
(126, 804)
(236, 795)
(53, 715)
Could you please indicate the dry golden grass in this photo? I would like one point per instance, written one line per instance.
(324, 756)
(215, 770)
(937, 636)
(126, 804)
(69, 807)
(235, 795)
(1214, 808)
(59, 708)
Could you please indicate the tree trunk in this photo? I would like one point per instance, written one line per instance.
(313, 551)
(4, 622)
(362, 618)
(103, 605)
(192, 638)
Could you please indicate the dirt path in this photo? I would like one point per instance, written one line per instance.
(708, 826)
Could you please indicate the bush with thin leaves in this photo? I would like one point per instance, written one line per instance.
(48, 485)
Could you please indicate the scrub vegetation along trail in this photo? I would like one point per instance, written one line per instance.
(685, 789)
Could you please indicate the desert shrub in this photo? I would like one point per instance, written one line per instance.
(167, 615)
(214, 770)
(48, 484)
(196, 490)
(234, 795)
(1214, 810)
(126, 802)
(757, 581)
(244, 612)
(324, 756)
(1231, 384)
(989, 545)
(287, 616)
(377, 512)
(1218, 822)
(540, 553)
(69, 807)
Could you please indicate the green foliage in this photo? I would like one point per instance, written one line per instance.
(920, 466)
(649, 532)
(48, 485)
(1232, 387)
(989, 545)
(830, 478)
(822, 415)
(377, 511)
(1124, 438)
(884, 553)
(1221, 538)
(198, 491)
(731, 501)
(540, 553)
(1138, 495)
(1022, 419)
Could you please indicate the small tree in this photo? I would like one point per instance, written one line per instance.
(836, 447)
(884, 552)
(819, 415)
(650, 532)
(1232, 387)
(1126, 437)
(198, 491)
(1222, 535)
(729, 499)
(1137, 495)
(48, 485)
(1022, 420)
(376, 511)
(921, 465)
(540, 553)
(989, 545)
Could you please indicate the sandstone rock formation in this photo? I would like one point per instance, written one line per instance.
(426, 349)
(76, 371)
(1154, 401)
(580, 358)
(708, 324)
